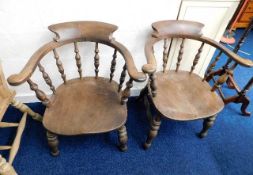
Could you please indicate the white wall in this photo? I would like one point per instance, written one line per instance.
(23, 26)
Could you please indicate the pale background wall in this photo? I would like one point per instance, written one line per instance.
(23, 28)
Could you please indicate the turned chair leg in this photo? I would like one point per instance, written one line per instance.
(142, 94)
(208, 123)
(245, 103)
(155, 125)
(122, 138)
(52, 140)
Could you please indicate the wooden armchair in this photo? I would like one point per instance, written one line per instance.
(83, 105)
(178, 94)
(7, 97)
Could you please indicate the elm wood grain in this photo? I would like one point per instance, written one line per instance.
(183, 96)
(86, 105)
(97, 109)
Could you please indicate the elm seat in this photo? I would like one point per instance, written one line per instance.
(91, 93)
(173, 91)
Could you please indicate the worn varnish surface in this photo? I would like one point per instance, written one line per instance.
(184, 96)
(96, 103)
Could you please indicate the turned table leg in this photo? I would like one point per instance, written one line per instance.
(155, 125)
(122, 138)
(53, 143)
(208, 123)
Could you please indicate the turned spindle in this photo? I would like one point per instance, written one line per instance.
(180, 54)
(122, 77)
(126, 92)
(197, 56)
(78, 60)
(96, 60)
(153, 85)
(46, 78)
(212, 65)
(60, 66)
(165, 54)
(113, 64)
(222, 79)
(39, 93)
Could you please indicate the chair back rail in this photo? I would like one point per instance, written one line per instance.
(164, 32)
(73, 33)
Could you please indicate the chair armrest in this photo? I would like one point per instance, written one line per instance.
(242, 61)
(27, 71)
(132, 70)
(150, 67)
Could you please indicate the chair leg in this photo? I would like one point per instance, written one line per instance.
(143, 92)
(155, 126)
(208, 123)
(52, 140)
(122, 138)
(245, 103)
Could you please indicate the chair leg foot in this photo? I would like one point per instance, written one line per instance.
(155, 125)
(122, 138)
(208, 123)
(53, 143)
(245, 103)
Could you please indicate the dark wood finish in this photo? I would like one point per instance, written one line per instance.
(155, 126)
(83, 105)
(228, 71)
(207, 124)
(212, 65)
(122, 77)
(96, 60)
(183, 95)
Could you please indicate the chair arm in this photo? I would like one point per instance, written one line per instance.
(150, 67)
(27, 71)
(242, 61)
(132, 70)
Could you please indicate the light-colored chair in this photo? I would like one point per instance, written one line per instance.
(7, 97)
